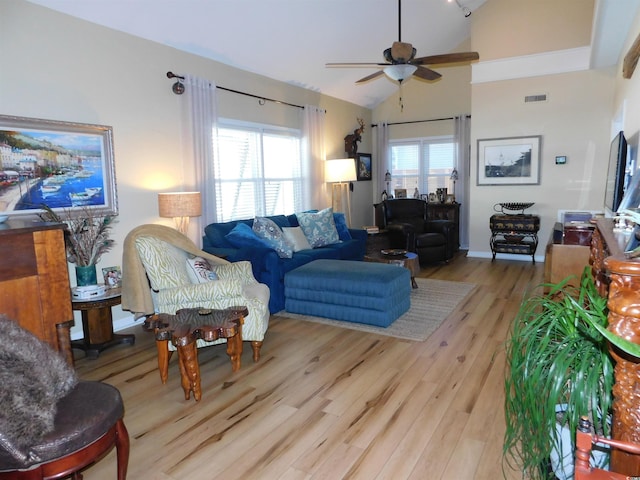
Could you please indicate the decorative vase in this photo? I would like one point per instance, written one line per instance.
(86, 275)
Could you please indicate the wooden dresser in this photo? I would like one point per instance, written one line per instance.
(34, 281)
(618, 278)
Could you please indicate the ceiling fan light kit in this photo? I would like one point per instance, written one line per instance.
(402, 62)
(400, 71)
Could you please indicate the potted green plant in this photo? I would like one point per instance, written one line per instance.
(86, 239)
(556, 355)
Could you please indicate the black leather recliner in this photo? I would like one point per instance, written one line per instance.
(406, 221)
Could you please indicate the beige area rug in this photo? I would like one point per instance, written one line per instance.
(431, 304)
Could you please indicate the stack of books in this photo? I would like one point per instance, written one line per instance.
(371, 229)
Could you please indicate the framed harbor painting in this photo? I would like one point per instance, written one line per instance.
(62, 165)
(509, 161)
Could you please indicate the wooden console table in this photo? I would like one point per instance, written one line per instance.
(184, 329)
(618, 278)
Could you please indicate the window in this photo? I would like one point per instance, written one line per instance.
(258, 171)
(425, 163)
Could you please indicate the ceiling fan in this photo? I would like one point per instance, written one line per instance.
(402, 64)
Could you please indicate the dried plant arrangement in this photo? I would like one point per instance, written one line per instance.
(86, 235)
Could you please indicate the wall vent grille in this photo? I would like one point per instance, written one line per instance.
(535, 98)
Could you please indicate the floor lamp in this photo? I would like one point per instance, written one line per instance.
(340, 172)
(180, 206)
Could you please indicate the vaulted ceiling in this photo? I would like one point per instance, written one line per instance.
(292, 40)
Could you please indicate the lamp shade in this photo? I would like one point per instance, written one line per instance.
(179, 204)
(400, 71)
(340, 170)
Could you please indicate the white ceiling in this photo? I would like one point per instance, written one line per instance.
(291, 40)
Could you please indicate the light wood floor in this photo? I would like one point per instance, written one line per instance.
(330, 403)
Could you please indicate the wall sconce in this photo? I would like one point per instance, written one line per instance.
(340, 172)
(180, 206)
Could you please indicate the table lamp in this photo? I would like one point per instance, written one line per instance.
(340, 172)
(180, 206)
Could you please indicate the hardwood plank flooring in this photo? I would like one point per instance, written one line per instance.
(330, 403)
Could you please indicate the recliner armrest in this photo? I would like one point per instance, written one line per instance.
(402, 235)
(446, 228)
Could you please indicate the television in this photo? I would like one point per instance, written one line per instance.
(616, 175)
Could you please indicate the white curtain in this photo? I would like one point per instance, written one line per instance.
(313, 151)
(462, 134)
(383, 162)
(200, 122)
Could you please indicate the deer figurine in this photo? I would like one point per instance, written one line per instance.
(351, 140)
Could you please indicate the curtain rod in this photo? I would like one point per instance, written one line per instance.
(419, 121)
(261, 99)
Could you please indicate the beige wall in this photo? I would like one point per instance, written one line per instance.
(61, 68)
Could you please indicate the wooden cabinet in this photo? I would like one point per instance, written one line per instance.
(618, 278)
(34, 281)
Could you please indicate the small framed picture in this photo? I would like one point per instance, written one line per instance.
(112, 277)
(450, 198)
(400, 192)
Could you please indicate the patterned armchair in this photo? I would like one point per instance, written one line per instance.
(163, 271)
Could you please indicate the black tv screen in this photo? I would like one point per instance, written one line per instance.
(616, 174)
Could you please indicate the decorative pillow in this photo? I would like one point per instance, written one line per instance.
(296, 237)
(241, 236)
(33, 377)
(200, 270)
(319, 228)
(341, 226)
(271, 233)
(165, 263)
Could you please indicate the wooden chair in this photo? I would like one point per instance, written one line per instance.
(584, 440)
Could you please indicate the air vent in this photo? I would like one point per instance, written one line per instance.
(535, 98)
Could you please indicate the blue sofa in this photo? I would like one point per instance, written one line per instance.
(268, 267)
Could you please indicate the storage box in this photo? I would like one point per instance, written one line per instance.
(88, 292)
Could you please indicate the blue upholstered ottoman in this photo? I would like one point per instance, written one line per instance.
(363, 292)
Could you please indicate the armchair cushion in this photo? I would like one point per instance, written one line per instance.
(319, 227)
(200, 271)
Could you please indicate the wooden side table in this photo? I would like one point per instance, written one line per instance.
(184, 329)
(97, 324)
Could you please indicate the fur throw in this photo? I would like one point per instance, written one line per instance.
(33, 377)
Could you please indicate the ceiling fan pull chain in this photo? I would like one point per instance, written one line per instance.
(400, 98)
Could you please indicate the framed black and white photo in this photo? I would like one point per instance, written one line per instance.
(65, 166)
(509, 161)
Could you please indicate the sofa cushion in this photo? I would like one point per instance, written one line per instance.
(296, 237)
(341, 226)
(319, 228)
(269, 231)
(199, 270)
(242, 236)
(166, 265)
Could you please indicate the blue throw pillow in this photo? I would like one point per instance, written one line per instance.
(341, 226)
(268, 231)
(319, 228)
(241, 236)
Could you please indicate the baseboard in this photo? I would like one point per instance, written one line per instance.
(506, 256)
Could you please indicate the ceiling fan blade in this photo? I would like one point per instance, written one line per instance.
(446, 58)
(356, 64)
(371, 77)
(426, 73)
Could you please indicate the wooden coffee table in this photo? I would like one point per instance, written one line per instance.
(184, 329)
(409, 261)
